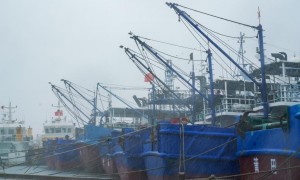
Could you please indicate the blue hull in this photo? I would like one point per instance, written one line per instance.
(91, 147)
(107, 150)
(200, 160)
(128, 159)
(67, 155)
(266, 149)
(130, 167)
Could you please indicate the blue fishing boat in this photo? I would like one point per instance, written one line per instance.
(198, 150)
(90, 147)
(67, 155)
(92, 132)
(268, 148)
(59, 136)
(107, 149)
(128, 160)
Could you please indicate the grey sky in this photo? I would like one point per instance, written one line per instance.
(43, 41)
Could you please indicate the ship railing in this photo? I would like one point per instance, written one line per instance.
(237, 105)
(240, 104)
(283, 93)
(287, 93)
(8, 137)
(159, 94)
(123, 125)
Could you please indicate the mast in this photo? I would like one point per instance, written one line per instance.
(241, 57)
(169, 76)
(10, 108)
(58, 110)
(193, 89)
(211, 84)
(263, 85)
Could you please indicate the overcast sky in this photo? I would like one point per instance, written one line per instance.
(44, 41)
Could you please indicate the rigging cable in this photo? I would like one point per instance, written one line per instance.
(243, 24)
(194, 49)
(211, 48)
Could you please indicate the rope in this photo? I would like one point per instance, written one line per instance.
(217, 17)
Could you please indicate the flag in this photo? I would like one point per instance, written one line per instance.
(148, 77)
(59, 113)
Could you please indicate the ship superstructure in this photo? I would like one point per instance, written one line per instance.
(59, 126)
(15, 138)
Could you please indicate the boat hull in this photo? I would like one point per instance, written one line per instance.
(130, 167)
(159, 168)
(204, 154)
(259, 167)
(108, 164)
(50, 162)
(67, 155)
(90, 158)
(267, 149)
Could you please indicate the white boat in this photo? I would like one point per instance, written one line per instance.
(15, 139)
(59, 126)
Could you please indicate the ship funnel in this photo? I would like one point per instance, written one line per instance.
(281, 56)
(29, 132)
(137, 100)
(284, 54)
(19, 136)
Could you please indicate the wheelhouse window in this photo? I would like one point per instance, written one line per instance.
(10, 131)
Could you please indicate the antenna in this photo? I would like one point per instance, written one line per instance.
(258, 14)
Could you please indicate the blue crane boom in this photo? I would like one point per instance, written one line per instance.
(155, 54)
(103, 87)
(262, 85)
(65, 97)
(92, 103)
(134, 58)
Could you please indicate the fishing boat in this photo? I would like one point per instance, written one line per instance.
(58, 140)
(108, 148)
(91, 147)
(89, 136)
(177, 149)
(128, 160)
(268, 148)
(59, 127)
(16, 139)
(175, 152)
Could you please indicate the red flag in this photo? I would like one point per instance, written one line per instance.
(59, 113)
(148, 77)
